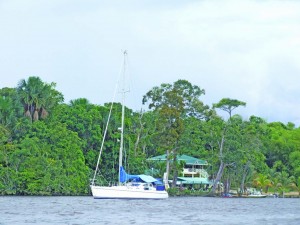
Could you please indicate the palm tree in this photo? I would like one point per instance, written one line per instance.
(25, 97)
(28, 91)
(47, 100)
(262, 182)
(296, 186)
(79, 101)
(37, 97)
(285, 182)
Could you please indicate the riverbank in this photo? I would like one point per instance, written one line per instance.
(177, 192)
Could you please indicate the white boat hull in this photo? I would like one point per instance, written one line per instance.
(256, 196)
(125, 192)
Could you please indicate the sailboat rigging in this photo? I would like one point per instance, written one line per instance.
(129, 186)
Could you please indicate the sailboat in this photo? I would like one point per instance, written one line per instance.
(129, 186)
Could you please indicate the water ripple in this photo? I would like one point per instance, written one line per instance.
(190, 210)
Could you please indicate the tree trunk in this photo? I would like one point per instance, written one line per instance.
(246, 169)
(218, 178)
(139, 134)
(175, 172)
(44, 113)
(27, 113)
(227, 185)
(221, 167)
(136, 143)
(36, 115)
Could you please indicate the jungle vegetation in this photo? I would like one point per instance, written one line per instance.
(48, 147)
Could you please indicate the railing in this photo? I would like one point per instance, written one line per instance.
(194, 171)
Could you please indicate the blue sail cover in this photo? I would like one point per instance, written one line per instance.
(125, 177)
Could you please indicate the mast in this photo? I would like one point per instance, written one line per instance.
(123, 91)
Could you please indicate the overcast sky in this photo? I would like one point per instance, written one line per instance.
(247, 50)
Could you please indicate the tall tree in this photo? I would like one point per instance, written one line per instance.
(38, 97)
(227, 105)
(174, 102)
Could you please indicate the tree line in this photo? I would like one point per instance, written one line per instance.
(48, 147)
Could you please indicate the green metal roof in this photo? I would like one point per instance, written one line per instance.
(189, 160)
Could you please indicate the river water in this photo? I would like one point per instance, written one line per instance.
(181, 210)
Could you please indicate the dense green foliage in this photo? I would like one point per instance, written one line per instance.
(48, 147)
